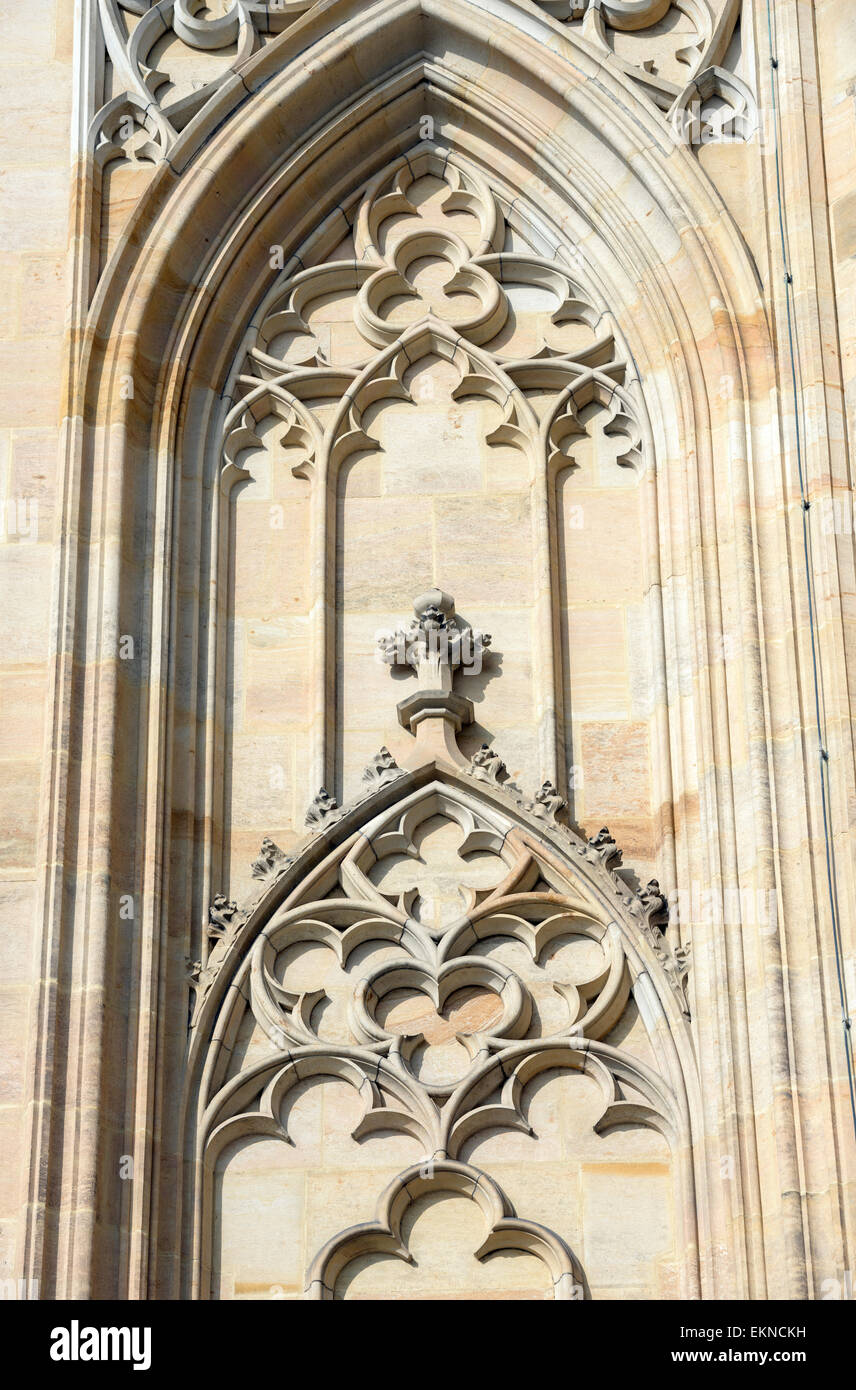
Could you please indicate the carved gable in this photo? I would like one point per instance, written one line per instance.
(440, 946)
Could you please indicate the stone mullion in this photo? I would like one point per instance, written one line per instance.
(662, 781)
(561, 682)
(548, 691)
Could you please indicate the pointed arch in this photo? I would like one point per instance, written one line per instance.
(550, 886)
(298, 127)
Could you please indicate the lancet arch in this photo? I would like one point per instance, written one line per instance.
(570, 136)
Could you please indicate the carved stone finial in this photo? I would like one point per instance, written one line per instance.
(324, 809)
(437, 647)
(434, 608)
(434, 643)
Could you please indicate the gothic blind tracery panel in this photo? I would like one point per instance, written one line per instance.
(443, 386)
(441, 974)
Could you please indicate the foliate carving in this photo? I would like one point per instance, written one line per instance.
(382, 770)
(548, 803)
(225, 918)
(437, 647)
(487, 766)
(200, 978)
(221, 917)
(434, 642)
(653, 902)
(675, 963)
(603, 847)
(271, 863)
(650, 906)
(323, 810)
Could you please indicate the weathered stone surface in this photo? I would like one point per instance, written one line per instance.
(252, 403)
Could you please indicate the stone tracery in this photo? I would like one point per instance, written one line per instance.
(152, 45)
(183, 296)
(171, 57)
(665, 45)
(504, 1231)
(438, 1019)
(519, 328)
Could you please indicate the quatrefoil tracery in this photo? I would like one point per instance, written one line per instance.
(435, 888)
(171, 57)
(376, 951)
(510, 321)
(440, 1030)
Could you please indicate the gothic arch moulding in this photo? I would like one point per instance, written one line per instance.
(277, 150)
(437, 946)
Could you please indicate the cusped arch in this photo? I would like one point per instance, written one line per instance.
(172, 317)
(504, 1231)
(549, 886)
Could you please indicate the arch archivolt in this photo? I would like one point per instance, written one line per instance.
(607, 215)
(172, 57)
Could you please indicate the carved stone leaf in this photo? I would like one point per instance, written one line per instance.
(323, 810)
(382, 770)
(271, 863)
